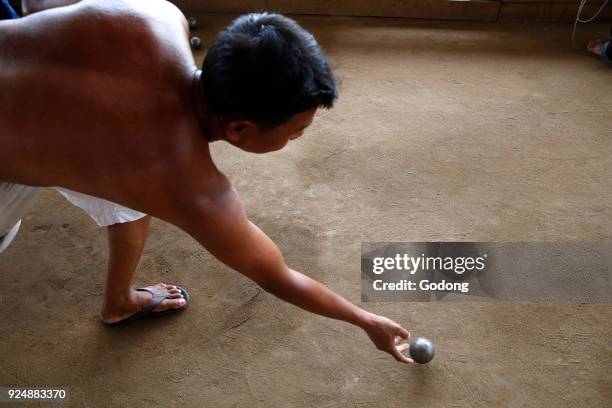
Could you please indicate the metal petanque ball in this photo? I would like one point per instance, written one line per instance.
(196, 43)
(193, 23)
(422, 350)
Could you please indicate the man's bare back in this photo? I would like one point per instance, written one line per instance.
(104, 97)
(96, 98)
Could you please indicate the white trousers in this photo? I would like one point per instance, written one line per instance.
(16, 200)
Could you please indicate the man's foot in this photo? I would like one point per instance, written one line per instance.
(140, 300)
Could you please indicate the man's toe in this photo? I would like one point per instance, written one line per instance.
(170, 304)
(176, 303)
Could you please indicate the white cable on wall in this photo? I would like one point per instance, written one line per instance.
(578, 20)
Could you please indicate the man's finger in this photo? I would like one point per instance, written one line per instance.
(403, 347)
(400, 357)
(404, 333)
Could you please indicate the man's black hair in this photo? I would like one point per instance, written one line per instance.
(264, 67)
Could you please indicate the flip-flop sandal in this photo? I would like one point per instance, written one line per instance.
(156, 299)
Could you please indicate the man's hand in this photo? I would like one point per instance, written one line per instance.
(386, 336)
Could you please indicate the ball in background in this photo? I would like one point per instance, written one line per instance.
(196, 43)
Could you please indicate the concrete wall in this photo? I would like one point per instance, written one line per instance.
(482, 10)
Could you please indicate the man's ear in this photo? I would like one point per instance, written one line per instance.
(237, 129)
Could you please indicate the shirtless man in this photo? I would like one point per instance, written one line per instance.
(104, 98)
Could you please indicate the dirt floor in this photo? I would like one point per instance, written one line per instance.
(444, 131)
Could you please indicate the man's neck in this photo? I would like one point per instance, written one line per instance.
(199, 102)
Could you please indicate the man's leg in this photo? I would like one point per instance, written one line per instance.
(126, 242)
(127, 234)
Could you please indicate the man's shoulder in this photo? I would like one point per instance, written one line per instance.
(144, 11)
(171, 173)
(188, 167)
(198, 185)
(133, 34)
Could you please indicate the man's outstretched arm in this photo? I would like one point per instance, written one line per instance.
(219, 223)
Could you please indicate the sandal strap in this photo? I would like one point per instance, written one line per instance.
(156, 299)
